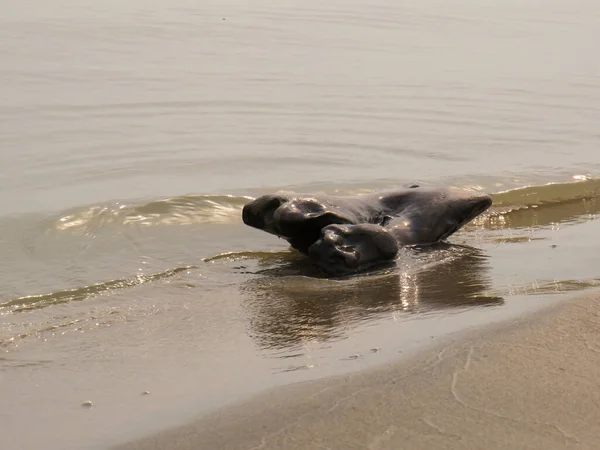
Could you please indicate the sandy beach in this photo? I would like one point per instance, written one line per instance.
(134, 300)
(529, 384)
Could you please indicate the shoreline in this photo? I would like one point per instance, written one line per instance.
(526, 383)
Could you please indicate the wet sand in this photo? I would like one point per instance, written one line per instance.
(529, 384)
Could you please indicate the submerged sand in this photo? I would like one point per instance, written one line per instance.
(530, 384)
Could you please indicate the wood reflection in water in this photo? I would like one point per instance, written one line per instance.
(288, 305)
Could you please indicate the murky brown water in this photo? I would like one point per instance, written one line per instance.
(131, 134)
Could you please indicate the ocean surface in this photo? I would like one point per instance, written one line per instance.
(133, 132)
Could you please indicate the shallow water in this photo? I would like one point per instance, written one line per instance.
(132, 134)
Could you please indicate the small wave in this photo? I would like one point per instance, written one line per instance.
(182, 210)
(554, 286)
(543, 205)
(559, 201)
(528, 196)
(32, 302)
(252, 254)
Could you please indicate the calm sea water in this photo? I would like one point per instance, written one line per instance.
(132, 133)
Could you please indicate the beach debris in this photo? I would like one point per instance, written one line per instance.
(87, 404)
(146, 393)
(376, 350)
(352, 357)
